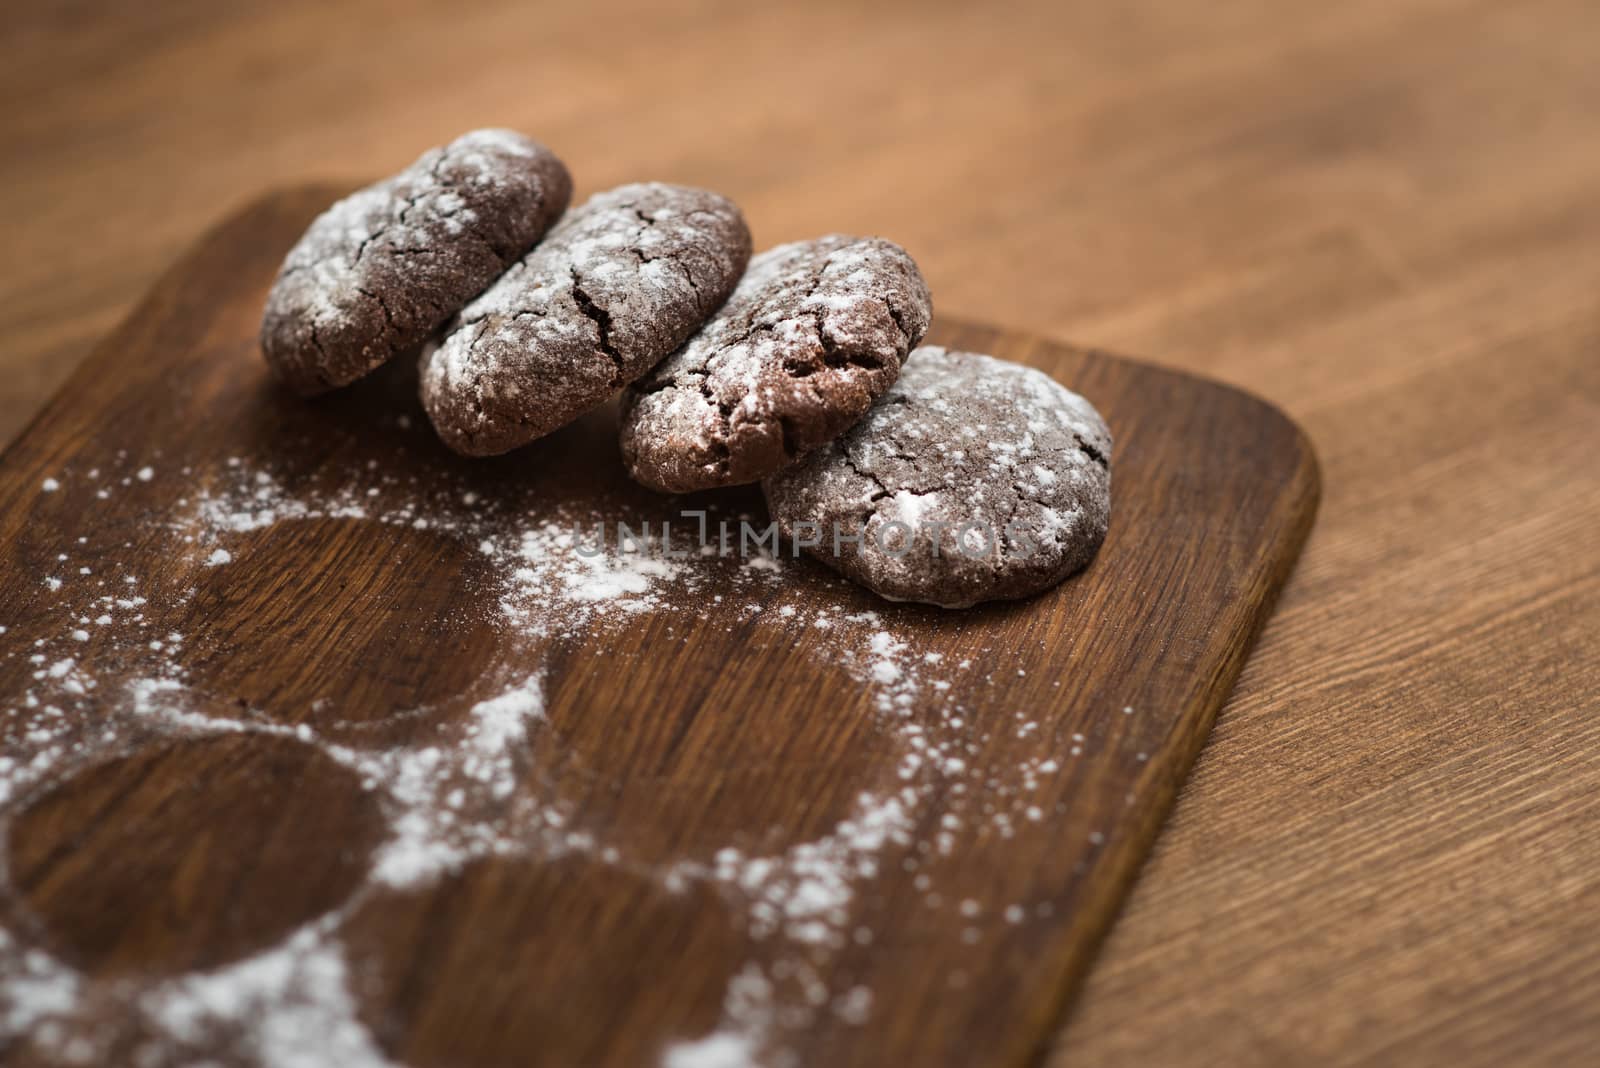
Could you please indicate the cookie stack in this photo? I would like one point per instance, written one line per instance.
(965, 479)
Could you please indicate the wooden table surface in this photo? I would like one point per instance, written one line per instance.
(1383, 216)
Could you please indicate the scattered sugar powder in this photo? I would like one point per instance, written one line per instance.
(554, 564)
(36, 988)
(443, 799)
(458, 794)
(804, 892)
(295, 996)
(718, 1050)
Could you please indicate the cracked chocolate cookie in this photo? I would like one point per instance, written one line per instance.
(380, 270)
(973, 479)
(816, 331)
(619, 284)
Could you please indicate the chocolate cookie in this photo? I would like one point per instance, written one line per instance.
(618, 285)
(380, 270)
(816, 331)
(973, 479)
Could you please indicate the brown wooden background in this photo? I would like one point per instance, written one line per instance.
(1384, 216)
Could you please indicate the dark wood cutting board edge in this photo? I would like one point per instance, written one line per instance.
(141, 358)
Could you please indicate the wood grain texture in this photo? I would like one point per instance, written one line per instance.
(669, 737)
(235, 841)
(1381, 215)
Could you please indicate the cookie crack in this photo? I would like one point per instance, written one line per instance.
(1093, 453)
(318, 372)
(602, 323)
(694, 284)
(1021, 495)
(679, 259)
(316, 341)
(480, 328)
(503, 253)
(899, 321)
(835, 355)
(436, 185)
(722, 452)
(883, 490)
(787, 435)
(652, 386)
(383, 306)
(410, 200)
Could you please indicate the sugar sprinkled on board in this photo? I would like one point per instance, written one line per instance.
(718, 1050)
(430, 792)
(36, 988)
(455, 795)
(296, 996)
(805, 891)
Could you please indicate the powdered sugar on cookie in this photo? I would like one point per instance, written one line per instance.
(380, 269)
(614, 288)
(814, 333)
(973, 479)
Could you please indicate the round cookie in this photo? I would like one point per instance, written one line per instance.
(380, 270)
(973, 479)
(619, 284)
(816, 331)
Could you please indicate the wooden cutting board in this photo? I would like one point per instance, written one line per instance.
(312, 728)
